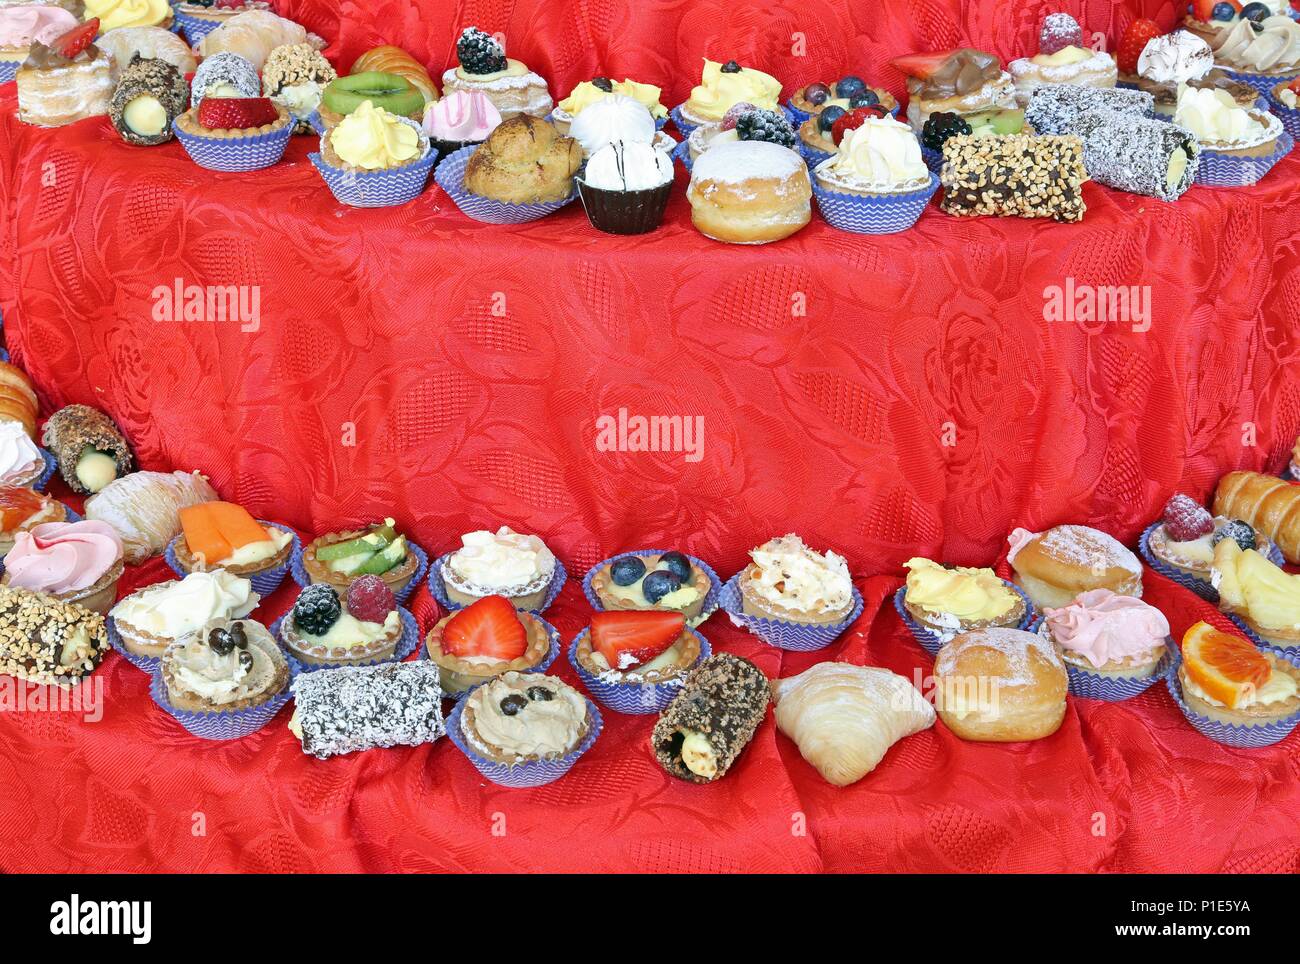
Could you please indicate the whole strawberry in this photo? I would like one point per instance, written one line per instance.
(1186, 519)
(1139, 33)
(370, 600)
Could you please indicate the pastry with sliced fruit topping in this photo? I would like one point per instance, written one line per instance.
(485, 639)
(223, 535)
(501, 563)
(846, 93)
(379, 550)
(652, 580)
(321, 629)
(1062, 59)
(1227, 679)
(235, 133)
(1265, 598)
(22, 509)
(66, 80)
(508, 83)
(637, 647)
(1186, 536)
(961, 81)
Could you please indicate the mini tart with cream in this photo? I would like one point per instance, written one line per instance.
(76, 562)
(483, 640)
(1268, 48)
(152, 618)
(1264, 597)
(651, 580)
(600, 88)
(789, 581)
(192, 121)
(1187, 536)
(846, 93)
(129, 13)
(723, 86)
(508, 83)
(1223, 127)
(881, 156)
(321, 630)
(372, 139)
(524, 717)
(223, 535)
(22, 509)
(1062, 59)
(955, 599)
(379, 550)
(224, 667)
(637, 647)
(1106, 634)
(1229, 680)
(501, 563)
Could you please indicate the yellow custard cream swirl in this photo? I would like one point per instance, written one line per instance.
(587, 93)
(373, 139)
(719, 91)
(972, 595)
(128, 13)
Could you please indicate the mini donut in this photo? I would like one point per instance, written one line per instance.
(1053, 567)
(749, 192)
(393, 93)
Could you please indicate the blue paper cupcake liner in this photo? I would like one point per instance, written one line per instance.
(222, 726)
(1264, 83)
(795, 637)
(712, 599)
(875, 214)
(682, 153)
(933, 159)
(1202, 587)
(439, 591)
(552, 654)
(1232, 734)
(376, 189)
(147, 663)
(265, 582)
(193, 28)
(634, 699)
(451, 178)
(811, 155)
(1289, 116)
(9, 70)
(1094, 686)
(1259, 640)
(536, 773)
(252, 153)
(47, 473)
(1227, 170)
(932, 642)
(406, 644)
(299, 571)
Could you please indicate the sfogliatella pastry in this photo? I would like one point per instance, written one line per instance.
(21, 462)
(1014, 176)
(789, 581)
(18, 402)
(961, 82)
(320, 630)
(66, 80)
(226, 667)
(224, 75)
(144, 508)
(600, 88)
(361, 707)
(394, 60)
(1000, 686)
(47, 641)
(625, 188)
(1104, 634)
(378, 550)
(1267, 503)
(151, 43)
(223, 535)
(22, 509)
(1187, 535)
(1053, 567)
(844, 718)
(1264, 597)
(151, 619)
(148, 97)
(294, 77)
(1056, 108)
(1165, 63)
(1140, 155)
(750, 192)
(485, 639)
(200, 17)
(371, 139)
(20, 25)
(390, 93)
(509, 84)
(1061, 59)
(501, 563)
(524, 161)
(252, 35)
(521, 718)
(91, 450)
(723, 86)
(951, 600)
(458, 120)
(652, 581)
(1226, 679)
(75, 562)
(114, 14)
(705, 728)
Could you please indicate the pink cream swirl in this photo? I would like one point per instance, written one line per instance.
(1018, 539)
(62, 557)
(19, 26)
(1104, 627)
(461, 116)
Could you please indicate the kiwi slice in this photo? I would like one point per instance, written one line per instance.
(352, 547)
(352, 564)
(386, 559)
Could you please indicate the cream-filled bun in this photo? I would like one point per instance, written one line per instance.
(1053, 567)
(1000, 686)
(750, 192)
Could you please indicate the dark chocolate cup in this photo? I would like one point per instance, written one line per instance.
(624, 212)
(444, 148)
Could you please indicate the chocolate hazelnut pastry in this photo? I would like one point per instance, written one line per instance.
(151, 94)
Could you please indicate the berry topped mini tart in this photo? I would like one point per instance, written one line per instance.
(66, 80)
(234, 133)
(645, 646)
(1258, 44)
(652, 580)
(1260, 596)
(224, 75)
(743, 122)
(1061, 59)
(601, 88)
(379, 550)
(790, 582)
(22, 509)
(509, 84)
(150, 619)
(1186, 535)
(940, 127)
(1053, 567)
(948, 600)
(1113, 646)
(722, 87)
(224, 667)
(76, 562)
(320, 631)
(223, 535)
(1284, 100)
(962, 82)
(501, 563)
(485, 639)
(845, 94)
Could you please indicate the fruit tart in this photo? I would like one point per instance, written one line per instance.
(378, 550)
(723, 86)
(653, 580)
(22, 509)
(509, 84)
(1238, 147)
(1225, 679)
(228, 666)
(66, 80)
(501, 563)
(21, 25)
(391, 93)
(601, 88)
(962, 82)
(1186, 536)
(485, 639)
(636, 661)
(221, 535)
(321, 631)
(75, 562)
(235, 133)
(1262, 597)
(21, 462)
(1256, 43)
(1061, 59)
(791, 582)
(151, 619)
(846, 93)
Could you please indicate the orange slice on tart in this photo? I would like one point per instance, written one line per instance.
(214, 530)
(1228, 668)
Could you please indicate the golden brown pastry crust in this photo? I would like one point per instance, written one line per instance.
(395, 578)
(753, 211)
(459, 675)
(54, 96)
(189, 563)
(1268, 503)
(97, 597)
(524, 161)
(983, 694)
(688, 652)
(1053, 578)
(1259, 713)
(189, 123)
(603, 581)
(394, 60)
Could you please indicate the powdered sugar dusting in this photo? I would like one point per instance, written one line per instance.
(1090, 548)
(1014, 645)
(742, 161)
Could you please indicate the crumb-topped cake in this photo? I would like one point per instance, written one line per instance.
(789, 581)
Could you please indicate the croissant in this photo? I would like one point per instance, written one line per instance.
(1268, 503)
(524, 161)
(844, 718)
(144, 508)
(394, 60)
(252, 35)
(18, 398)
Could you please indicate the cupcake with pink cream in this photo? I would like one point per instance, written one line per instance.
(76, 562)
(21, 25)
(21, 462)
(1111, 644)
(458, 120)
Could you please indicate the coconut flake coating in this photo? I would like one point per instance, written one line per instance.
(1131, 153)
(1054, 108)
(225, 68)
(360, 707)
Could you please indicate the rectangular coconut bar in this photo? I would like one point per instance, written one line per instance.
(712, 719)
(45, 640)
(360, 707)
(1016, 175)
(1056, 108)
(1137, 154)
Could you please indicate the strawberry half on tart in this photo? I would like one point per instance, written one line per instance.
(631, 646)
(485, 639)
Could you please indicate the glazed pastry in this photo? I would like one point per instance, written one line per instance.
(361, 707)
(22, 509)
(21, 462)
(844, 718)
(224, 75)
(705, 728)
(150, 95)
(20, 25)
(1000, 686)
(485, 639)
(1224, 128)
(880, 156)
(1057, 108)
(220, 534)
(46, 641)
(225, 667)
(1053, 567)
(1187, 534)
(75, 562)
(484, 67)
(388, 92)
(652, 581)
(252, 35)
(523, 717)
(294, 77)
(1165, 63)
(723, 86)
(501, 563)
(625, 188)
(1061, 59)
(113, 14)
(950, 600)
(961, 82)
(1261, 595)
(1109, 635)
(1228, 680)
(151, 43)
(1014, 176)
(636, 648)
(64, 81)
(18, 402)
(372, 139)
(791, 582)
(320, 630)
(600, 88)
(379, 550)
(1266, 502)
(394, 60)
(90, 449)
(144, 508)
(524, 161)
(616, 118)
(750, 192)
(846, 93)
(1139, 154)
(151, 619)
(458, 120)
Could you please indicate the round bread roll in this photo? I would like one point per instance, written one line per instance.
(750, 192)
(1000, 686)
(1053, 567)
(524, 161)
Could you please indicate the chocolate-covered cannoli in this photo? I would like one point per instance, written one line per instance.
(1017, 175)
(90, 449)
(149, 96)
(712, 719)
(1054, 108)
(46, 640)
(360, 707)
(1137, 154)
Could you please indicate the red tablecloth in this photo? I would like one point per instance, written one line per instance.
(920, 404)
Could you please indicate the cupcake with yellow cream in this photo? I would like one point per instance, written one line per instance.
(1259, 596)
(877, 181)
(373, 158)
(600, 88)
(129, 13)
(939, 602)
(721, 87)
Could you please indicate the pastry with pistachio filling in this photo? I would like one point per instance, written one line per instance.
(48, 641)
(703, 731)
(90, 449)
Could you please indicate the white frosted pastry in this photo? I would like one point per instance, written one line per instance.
(144, 508)
(628, 167)
(615, 118)
(882, 156)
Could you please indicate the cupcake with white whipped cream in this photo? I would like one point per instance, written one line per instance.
(1261, 53)
(502, 563)
(614, 119)
(625, 187)
(1180, 58)
(791, 582)
(877, 182)
(1238, 147)
(21, 462)
(151, 619)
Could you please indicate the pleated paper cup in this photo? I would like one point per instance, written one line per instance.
(633, 698)
(1217, 169)
(1202, 587)
(534, 773)
(1289, 116)
(1264, 83)
(265, 582)
(235, 154)
(873, 213)
(221, 725)
(451, 178)
(1232, 734)
(1099, 686)
(378, 189)
(783, 634)
(932, 641)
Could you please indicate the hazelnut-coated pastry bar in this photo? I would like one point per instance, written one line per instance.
(713, 718)
(46, 640)
(1016, 175)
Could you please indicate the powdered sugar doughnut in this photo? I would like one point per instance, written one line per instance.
(750, 192)
(1053, 567)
